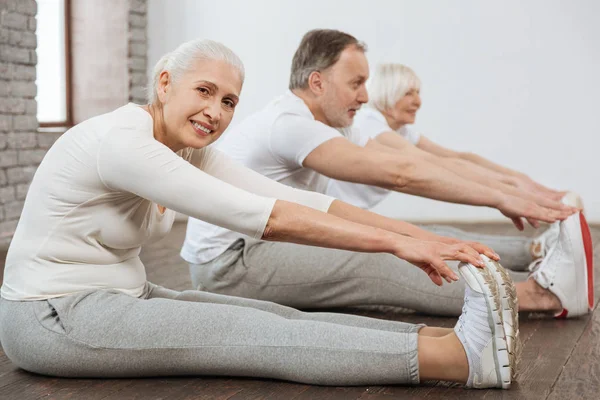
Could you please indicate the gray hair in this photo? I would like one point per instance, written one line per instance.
(319, 50)
(390, 83)
(181, 59)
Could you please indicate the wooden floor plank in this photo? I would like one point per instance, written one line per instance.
(331, 393)
(580, 377)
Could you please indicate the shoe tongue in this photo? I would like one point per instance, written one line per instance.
(542, 274)
(535, 265)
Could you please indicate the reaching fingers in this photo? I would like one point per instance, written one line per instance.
(483, 249)
(435, 276)
(545, 214)
(518, 223)
(463, 252)
(443, 269)
(533, 223)
(555, 215)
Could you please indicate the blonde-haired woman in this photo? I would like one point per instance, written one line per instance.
(76, 303)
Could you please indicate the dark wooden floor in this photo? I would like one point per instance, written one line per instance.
(561, 359)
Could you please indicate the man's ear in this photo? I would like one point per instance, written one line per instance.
(316, 83)
(164, 85)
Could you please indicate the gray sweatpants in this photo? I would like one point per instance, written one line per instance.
(311, 277)
(105, 333)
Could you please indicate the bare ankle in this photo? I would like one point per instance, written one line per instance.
(533, 297)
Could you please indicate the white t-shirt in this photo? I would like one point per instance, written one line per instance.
(370, 123)
(93, 203)
(273, 142)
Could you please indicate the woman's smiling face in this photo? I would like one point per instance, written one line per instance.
(199, 106)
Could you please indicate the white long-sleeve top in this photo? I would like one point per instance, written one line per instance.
(274, 142)
(93, 203)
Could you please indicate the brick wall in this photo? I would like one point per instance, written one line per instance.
(138, 49)
(22, 147)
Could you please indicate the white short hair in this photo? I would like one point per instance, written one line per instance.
(181, 59)
(390, 83)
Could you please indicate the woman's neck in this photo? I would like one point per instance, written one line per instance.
(394, 124)
(159, 129)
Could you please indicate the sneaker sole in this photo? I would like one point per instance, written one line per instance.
(486, 281)
(581, 243)
(510, 312)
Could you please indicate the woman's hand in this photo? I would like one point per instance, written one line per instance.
(527, 184)
(431, 257)
(478, 247)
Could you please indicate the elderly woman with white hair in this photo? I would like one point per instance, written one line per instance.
(549, 274)
(395, 99)
(75, 301)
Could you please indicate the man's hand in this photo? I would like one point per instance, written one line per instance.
(517, 208)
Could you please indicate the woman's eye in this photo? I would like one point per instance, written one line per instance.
(229, 103)
(203, 90)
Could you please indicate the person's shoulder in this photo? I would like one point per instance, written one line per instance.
(291, 104)
(368, 116)
(133, 116)
(130, 117)
(372, 113)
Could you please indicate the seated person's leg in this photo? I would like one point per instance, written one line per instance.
(516, 252)
(312, 277)
(109, 334)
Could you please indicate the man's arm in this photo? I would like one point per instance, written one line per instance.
(340, 159)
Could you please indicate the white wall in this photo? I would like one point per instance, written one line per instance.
(515, 81)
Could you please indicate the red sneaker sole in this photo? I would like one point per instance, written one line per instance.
(589, 258)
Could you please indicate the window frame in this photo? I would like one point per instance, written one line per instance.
(68, 122)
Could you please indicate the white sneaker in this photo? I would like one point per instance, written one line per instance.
(573, 199)
(568, 268)
(541, 245)
(509, 306)
(479, 329)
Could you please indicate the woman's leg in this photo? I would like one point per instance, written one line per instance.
(109, 334)
(159, 292)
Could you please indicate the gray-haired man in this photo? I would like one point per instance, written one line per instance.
(303, 139)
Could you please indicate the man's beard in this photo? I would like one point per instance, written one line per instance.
(337, 117)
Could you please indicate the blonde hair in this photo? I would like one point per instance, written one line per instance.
(181, 59)
(390, 83)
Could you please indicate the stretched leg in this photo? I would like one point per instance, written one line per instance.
(311, 278)
(515, 251)
(109, 334)
(106, 333)
(156, 292)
